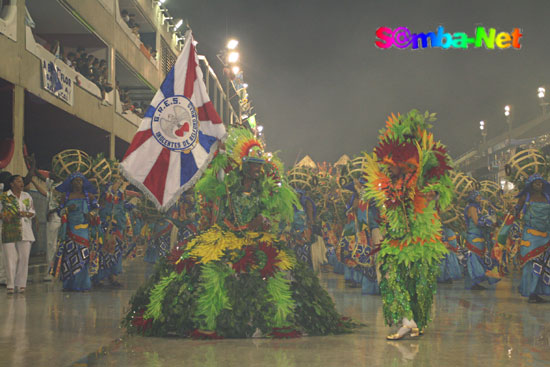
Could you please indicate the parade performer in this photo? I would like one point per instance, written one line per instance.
(408, 167)
(114, 223)
(449, 267)
(533, 210)
(236, 279)
(157, 233)
(158, 239)
(332, 215)
(133, 232)
(360, 242)
(76, 259)
(481, 265)
(185, 220)
(304, 240)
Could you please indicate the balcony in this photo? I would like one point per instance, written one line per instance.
(63, 43)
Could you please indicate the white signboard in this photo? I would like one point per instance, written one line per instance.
(56, 82)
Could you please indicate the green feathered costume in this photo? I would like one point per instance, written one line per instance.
(236, 278)
(407, 176)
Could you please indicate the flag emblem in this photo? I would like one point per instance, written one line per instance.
(175, 124)
(178, 135)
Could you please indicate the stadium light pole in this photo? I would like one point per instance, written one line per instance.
(483, 130)
(542, 102)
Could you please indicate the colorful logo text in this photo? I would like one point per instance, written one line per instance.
(402, 38)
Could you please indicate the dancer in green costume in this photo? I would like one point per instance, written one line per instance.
(406, 177)
(236, 278)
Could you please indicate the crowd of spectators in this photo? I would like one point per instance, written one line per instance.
(130, 20)
(128, 105)
(86, 64)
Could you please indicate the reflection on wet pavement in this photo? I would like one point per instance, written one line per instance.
(46, 327)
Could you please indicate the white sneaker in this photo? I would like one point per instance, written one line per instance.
(48, 278)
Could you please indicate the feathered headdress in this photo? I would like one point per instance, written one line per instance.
(407, 143)
(242, 146)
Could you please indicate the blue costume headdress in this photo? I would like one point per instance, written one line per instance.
(472, 196)
(527, 191)
(351, 187)
(304, 198)
(471, 202)
(529, 182)
(66, 186)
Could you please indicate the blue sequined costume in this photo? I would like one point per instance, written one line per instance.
(450, 267)
(358, 253)
(535, 249)
(480, 265)
(113, 225)
(76, 250)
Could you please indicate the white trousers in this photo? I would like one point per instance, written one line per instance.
(16, 263)
(2, 271)
(52, 229)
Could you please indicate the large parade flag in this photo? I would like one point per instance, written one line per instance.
(178, 135)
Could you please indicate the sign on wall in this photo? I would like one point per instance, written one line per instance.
(56, 82)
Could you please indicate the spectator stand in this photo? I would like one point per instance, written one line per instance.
(138, 29)
(132, 93)
(64, 41)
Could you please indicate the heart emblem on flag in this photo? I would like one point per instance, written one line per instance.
(182, 130)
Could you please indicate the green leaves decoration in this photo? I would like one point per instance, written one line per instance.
(213, 297)
(280, 296)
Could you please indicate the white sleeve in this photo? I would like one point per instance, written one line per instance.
(31, 207)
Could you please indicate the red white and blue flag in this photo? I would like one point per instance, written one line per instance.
(178, 135)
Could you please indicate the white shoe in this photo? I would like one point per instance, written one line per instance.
(48, 278)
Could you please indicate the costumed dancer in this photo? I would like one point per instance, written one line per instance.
(114, 223)
(133, 232)
(533, 210)
(450, 268)
(236, 279)
(360, 242)
(328, 231)
(407, 168)
(185, 219)
(76, 257)
(158, 234)
(481, 265)
(332, 212)
(306, 243)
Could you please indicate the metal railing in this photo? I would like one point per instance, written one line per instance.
(219, 95)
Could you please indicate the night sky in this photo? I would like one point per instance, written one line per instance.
(321, 87)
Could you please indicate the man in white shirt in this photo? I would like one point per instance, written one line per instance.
(16, 204)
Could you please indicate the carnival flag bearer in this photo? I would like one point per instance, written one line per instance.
(178, 135)
(406, 171)
(16, 211)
